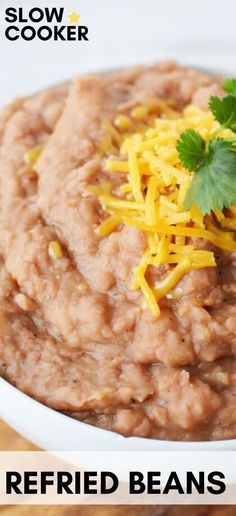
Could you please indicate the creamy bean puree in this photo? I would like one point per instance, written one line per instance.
(73, 333)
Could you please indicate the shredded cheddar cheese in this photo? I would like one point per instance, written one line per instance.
(55, 250)
(31, 158)
(123, 122)
(139, 112)
(109, 225)
(150, 196)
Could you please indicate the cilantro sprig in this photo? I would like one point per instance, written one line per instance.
(214, 163)
(224, 110)
(230, 86)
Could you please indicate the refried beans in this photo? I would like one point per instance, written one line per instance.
(73, 334)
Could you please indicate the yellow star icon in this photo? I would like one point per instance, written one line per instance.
(74, 17)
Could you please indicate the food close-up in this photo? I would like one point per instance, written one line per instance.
(118, 251)
(118, 258)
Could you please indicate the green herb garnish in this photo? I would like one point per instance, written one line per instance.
(214, 163)
(230, 86)
(224, 111)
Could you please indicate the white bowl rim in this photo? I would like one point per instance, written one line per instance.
(102, 440)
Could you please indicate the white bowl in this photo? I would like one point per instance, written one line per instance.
(51, 430)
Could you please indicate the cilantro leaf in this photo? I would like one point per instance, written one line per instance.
(224, 110)
(214, 182)
(191, 149)
(230, 86)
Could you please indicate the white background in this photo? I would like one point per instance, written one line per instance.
(198, 32)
